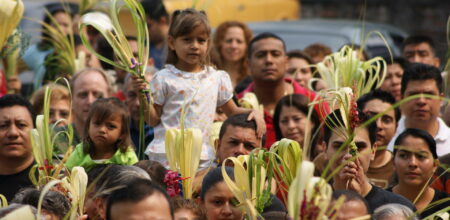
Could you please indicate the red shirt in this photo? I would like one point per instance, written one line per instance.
(3, 89)
(120, 95)
(270, 133)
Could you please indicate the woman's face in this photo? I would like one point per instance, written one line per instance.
(392, 82)
(293, 123)
(219, 203)
(414, 163)
(299, 70)
(60, 109)
(64, 21)
(233, 44)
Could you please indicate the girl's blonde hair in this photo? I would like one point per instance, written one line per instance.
(101, 110)
(182, 23)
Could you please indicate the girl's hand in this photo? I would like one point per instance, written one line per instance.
(230, 108)
(139, 84)
(260, 123)
(152, 111)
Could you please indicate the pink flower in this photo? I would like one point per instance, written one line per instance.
(172, 181)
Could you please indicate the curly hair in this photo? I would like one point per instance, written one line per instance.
(59, 93)
(219, 36)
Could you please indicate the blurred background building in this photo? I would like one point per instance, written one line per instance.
(413, 16)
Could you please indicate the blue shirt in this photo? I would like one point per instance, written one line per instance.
(35, 60)
(134, 133)
(159, 55)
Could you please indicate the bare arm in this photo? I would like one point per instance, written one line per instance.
(153, 114)
(152, 111)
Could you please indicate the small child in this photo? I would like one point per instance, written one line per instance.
(54, 205)
(107, 138)
(188, 78)
(187, 209)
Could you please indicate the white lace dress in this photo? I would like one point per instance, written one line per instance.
(205, 90)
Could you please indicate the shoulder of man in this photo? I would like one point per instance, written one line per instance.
(298, 89)
(444, 130)
(400, 129)
(378, 197)
(249, 88)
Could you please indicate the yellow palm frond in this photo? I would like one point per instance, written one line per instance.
(309, 196)
(11, 12)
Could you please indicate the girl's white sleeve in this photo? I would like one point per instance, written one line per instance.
(225, 88)
(158, 89)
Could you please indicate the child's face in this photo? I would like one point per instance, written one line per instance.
(191, 49)
(185, 214)
(106, 133)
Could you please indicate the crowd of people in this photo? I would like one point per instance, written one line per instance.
(400, 168)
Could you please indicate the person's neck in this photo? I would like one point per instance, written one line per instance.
(269, 93)
(102, 152)
(79, 126)
(382, 158)
(233, 69)
(411, 192)
(15, 165)
(188, 68)
(432, 127)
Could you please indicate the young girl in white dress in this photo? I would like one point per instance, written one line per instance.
(187, 77)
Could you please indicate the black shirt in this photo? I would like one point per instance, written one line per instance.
(11, 184)
(378, 197)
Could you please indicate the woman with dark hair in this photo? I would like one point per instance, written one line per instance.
(415, 161)
(216, 198)
(291, 121)
(220, 203)
(230, 49)
(393, 79)
(54, 204)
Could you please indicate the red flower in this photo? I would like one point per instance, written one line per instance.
(47, 167)
(173, 183)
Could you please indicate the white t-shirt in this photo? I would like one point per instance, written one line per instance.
(205, 90)
(442, 138)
